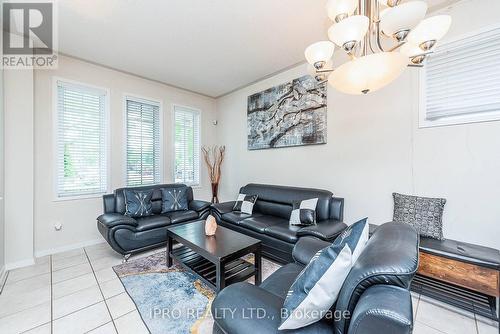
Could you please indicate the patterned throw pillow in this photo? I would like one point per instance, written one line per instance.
(423, 213)
(317, 287)
(174, 199)
(304, 212)
(244, 203)
(138, 203)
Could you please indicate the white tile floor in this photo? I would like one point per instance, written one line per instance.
(78, 292)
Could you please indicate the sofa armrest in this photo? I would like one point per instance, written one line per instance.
(198, 205)
(222, 208)
(326, 230)
(306, 248)
(383, 309)
(115, 219)
(108, 202)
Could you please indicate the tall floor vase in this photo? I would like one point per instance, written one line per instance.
(215, 192)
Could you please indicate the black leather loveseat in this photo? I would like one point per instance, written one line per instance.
(374, 299)
(269, 221)
(128, 235)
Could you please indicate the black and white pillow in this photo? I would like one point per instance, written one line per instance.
(138, 203)
(174, 199)
(304, 212)
(244, 203)
(317, 287)
(425, 214)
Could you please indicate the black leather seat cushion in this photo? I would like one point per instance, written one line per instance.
(462, 251)
(181, 216)
(235, 216)
(282, 279)
(151, 222)
(284, 232)
(260, 223)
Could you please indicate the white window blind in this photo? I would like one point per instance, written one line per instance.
(462, 80)
(81, 140)
(143, 142)
(187, 145)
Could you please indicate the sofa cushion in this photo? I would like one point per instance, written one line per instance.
(284, 232)
(181, 216)
(260, 223)
(235, 217)
(244, 203)
(138, 203)
(423, 213)
(174, 199)
(151, 222)
(282, 279)
(316, 289)
(304, 212)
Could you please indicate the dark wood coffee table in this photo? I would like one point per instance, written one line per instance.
(216, 259)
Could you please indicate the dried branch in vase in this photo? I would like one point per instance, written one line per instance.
(214, 156)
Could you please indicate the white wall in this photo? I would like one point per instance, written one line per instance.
(78, 217)
(2, 188)
(375, 147)
(18, 104)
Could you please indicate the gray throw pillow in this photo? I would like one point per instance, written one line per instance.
(138, 203)
(423, 213)
(174, 199)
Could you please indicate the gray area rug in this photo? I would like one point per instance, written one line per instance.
(172, 300)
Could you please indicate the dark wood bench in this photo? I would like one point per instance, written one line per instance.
(458, 273)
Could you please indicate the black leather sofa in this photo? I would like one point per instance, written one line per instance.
(128, 235)
(375, 296)
(269, 221)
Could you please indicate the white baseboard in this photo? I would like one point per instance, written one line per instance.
(62, 249)
(19, 264)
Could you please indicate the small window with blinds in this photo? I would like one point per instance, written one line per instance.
(461, 82)
(81, 141)
(143, 142)
(186, 145)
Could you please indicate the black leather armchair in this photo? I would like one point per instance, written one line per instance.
(269, 221)
(375, 297)
(128, 235)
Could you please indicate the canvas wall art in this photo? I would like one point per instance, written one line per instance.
(291, 114)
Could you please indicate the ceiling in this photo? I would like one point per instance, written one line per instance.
(207, 46)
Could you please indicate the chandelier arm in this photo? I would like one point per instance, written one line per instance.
(329, 70)
(376, 22)
(394, 48)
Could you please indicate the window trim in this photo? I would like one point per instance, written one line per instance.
(423, 122)
(55, 149)
(150, 100)
(199, 113)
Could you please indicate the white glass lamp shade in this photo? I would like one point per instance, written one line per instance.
(369, 73)
(402, 17)
(319, 52)
(338, 7)
(432, 28)
(350, 29)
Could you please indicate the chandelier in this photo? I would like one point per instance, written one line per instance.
(381, 38)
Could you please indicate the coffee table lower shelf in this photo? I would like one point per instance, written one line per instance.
(235, 271)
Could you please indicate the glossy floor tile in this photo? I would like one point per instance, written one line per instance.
(78, 292)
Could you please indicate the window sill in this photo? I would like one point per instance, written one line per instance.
(458, 121)
(77, 197)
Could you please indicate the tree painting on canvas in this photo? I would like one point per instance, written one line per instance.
(291, 114)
